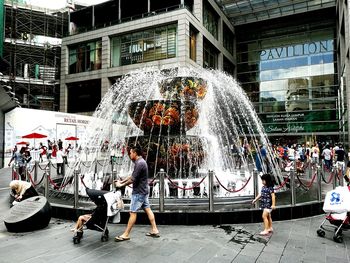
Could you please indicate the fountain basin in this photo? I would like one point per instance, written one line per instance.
(179, 156)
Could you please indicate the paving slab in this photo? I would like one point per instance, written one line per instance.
(292, 241)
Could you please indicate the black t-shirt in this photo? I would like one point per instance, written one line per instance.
(340, 155)
(139, 177)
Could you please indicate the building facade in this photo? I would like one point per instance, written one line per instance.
(111, 39)
(292, 58)
(343, 66)
(287, 63)
(288, 69)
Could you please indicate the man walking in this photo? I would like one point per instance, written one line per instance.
(139, 197)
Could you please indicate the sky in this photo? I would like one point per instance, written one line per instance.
(57, 4)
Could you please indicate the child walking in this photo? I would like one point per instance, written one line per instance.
(267, 202)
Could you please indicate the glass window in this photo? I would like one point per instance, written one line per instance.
(210, 19)
(193, 44)
(210, 56)
(144, 46)
(228, 39)
(290, 76)
(85, 57)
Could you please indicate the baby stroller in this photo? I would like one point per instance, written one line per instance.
(339, 219)
(108, 204)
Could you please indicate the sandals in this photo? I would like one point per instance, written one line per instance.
(155, 235)
(120, 239)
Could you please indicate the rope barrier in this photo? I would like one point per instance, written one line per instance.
(184, 188)
(82, 181)
(330, 177)
(54, 167)
(310, 183)
(99, 163)
(32, 169)
(56, 186)
(32, 181)
(83, 165)
(44, 167)
(233, 191)
(282, 184)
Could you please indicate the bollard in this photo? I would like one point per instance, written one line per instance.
(256, 186)
(161, 190)
(319, 184)
(292, 188)
(36, 164)
(76, 187)
(47, 182)
(211, 190)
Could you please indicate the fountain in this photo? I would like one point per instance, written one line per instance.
(185, 120)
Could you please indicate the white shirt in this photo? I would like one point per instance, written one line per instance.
(59, 156)
(327, 153)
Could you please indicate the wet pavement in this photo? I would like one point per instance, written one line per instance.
(292, 241)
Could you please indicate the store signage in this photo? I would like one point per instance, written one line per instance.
(138, 47)
(306, 116)
(301, 127)
(284, 129)
(310, 48)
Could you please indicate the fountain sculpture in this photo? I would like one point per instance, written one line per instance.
(185, 120)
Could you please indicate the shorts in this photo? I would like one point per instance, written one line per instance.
(268, 210)
(139, 201)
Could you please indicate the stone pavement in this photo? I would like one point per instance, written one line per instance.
(292, 241)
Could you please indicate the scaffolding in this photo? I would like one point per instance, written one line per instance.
(32, 47)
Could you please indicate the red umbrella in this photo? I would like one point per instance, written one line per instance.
(72, 138)
(34, 136)
(22, 142)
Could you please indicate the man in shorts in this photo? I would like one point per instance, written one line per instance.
(139, 196)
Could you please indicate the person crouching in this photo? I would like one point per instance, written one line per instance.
(22, 190)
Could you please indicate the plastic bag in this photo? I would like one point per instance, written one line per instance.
(337, 200)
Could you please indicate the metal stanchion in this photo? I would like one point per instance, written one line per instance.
(36, 164)
(26, 174)
(76, 186)
(292, 188)
(95, 173)
(46, 187)
(161, 190)
(211, 190)
(114, 175)
(14, 172)
(256, 186)
(319, 184)
(341, 176)
(310, 170)
(49, 166)
(77, 173)
(335, 177)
